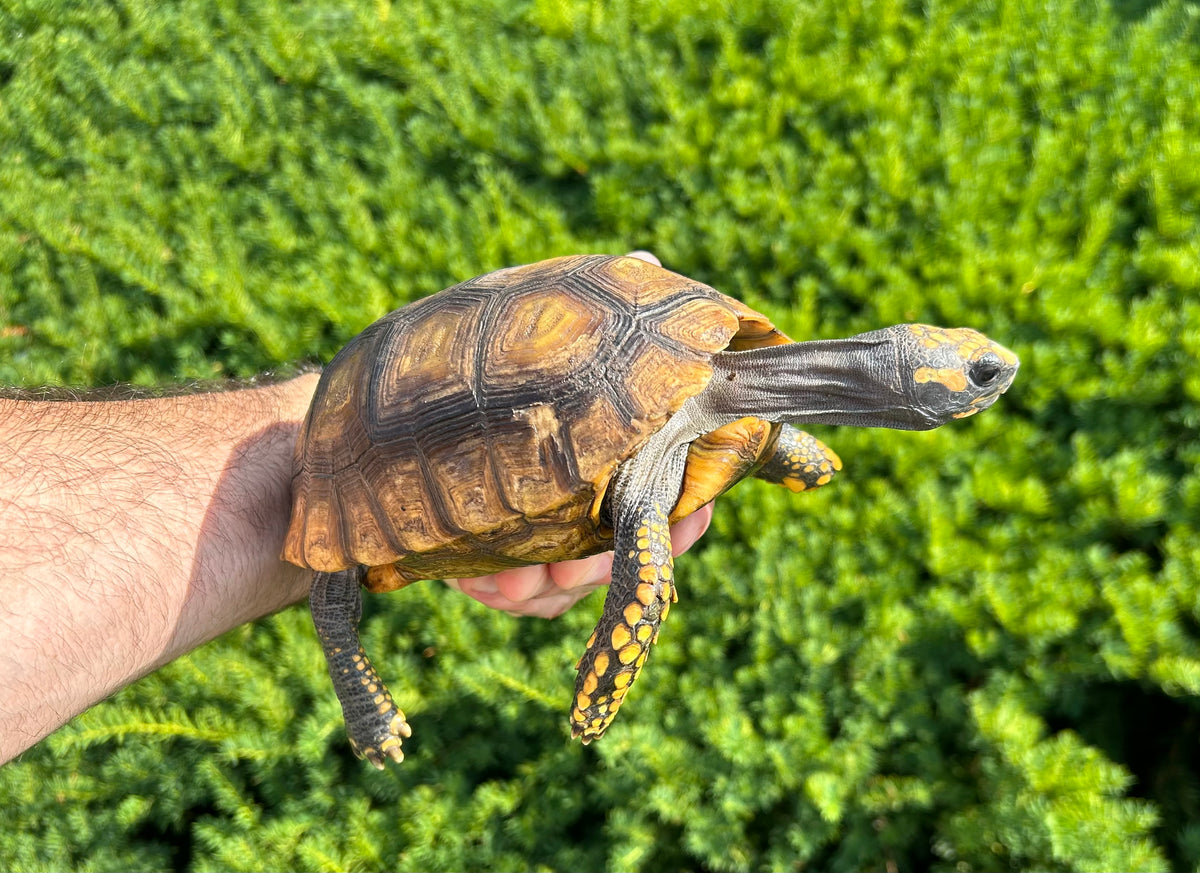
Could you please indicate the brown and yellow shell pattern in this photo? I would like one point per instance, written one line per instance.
(479, 428)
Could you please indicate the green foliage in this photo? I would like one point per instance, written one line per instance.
(978, 649)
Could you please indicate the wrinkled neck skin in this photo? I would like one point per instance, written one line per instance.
(855, 381)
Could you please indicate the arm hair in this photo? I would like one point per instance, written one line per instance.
(132, 531)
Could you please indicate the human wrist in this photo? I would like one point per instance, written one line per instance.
(132, 531)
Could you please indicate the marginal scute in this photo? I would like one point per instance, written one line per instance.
(340, 399)
(699, 326)
(755, 330)
(662, 381)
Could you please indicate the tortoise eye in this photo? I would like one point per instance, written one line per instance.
(985, 370)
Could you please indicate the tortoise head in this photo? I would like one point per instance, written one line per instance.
(950, 373)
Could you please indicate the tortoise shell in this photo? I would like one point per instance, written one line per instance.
(479, 428)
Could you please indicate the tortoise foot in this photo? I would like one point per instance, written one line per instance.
(380, 737)
(596, 702)
(374, 723)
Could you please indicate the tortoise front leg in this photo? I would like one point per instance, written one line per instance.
(374, 723)
(642, 588)
(799, 461)
(638, 600)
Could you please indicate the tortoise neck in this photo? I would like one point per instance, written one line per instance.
(854, 381)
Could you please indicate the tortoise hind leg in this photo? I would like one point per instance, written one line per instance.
(375, 724)
(799, 461)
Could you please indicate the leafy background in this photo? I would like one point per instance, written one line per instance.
(978, 649)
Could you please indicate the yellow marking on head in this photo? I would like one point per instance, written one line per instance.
(645, 593)
(629, 654)
(590, 682)
(600, 665)
(633, 614)
(620, 636)
(954, 379)
(1006, 355)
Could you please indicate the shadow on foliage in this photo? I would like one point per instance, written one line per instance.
(1158, 748)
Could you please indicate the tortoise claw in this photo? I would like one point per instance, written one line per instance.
(577, 733)
(387, 743)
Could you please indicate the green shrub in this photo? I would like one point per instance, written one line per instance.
(978, 649)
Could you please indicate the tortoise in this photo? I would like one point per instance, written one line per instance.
(555, 410)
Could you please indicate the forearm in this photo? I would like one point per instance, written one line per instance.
(130, 533)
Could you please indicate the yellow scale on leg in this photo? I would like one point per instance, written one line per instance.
(638, 601)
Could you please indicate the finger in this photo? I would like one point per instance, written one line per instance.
(554, 605)
(548, 590)
(592, 572)
(588, 573)
(550, 604)
(486, 591)
(642, 255)
(524, 583)
(686, 531)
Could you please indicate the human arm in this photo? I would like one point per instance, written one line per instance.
(132, 531)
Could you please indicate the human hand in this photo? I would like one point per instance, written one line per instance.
(549, 590)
